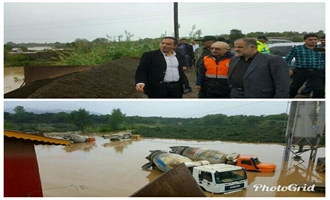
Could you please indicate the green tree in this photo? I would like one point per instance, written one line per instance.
(116, 118)
(217, 119)
(60, 117)
(100, 41)
(82, 45)
(195, 33)
(20, 116)
(235, 34)
(7, 47)
(8, 125)
(297, 38)
(128, 36)
(81, 118)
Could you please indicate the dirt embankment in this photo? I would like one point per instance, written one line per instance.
(115, 79)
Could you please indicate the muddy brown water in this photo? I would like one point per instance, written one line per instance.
(13, 78)
(113, 168)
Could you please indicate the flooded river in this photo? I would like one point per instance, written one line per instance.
(113, 168)
(13, 78)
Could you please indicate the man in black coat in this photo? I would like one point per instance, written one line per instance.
(160, 72)
(188, 51)
(255, 75)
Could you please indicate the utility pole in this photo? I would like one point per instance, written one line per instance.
(176, 21)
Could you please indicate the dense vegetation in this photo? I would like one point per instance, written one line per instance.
(210, 127)
(103, 50)
(79, 120)
(221, 127)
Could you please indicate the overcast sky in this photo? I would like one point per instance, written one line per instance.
(64, 22)
(161, 108)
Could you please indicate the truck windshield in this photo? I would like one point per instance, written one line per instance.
(230, 176)
(257, 161)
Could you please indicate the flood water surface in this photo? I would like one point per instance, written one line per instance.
(13, 78)
(113, 168)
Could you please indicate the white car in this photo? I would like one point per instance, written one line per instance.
(282, 49)
(274, 41)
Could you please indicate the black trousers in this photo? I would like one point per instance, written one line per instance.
(186, 81)
(316, 78)
(168, 90)
(212, 95)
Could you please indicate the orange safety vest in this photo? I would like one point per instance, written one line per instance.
(216, 71)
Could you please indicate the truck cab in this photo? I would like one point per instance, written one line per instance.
(252, 163)
(220, 178)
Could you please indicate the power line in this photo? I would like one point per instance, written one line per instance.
(145, 18)
(132, 17)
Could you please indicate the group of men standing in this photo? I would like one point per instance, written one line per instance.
(248, 72)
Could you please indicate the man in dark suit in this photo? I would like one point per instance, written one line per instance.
(160, 72)
(255, 75)
(188, 51)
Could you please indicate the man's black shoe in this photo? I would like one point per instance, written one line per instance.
(187, 90)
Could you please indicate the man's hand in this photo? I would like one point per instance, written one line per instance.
(198, 87)
(290, 72)
(184, 68)
(140, 87)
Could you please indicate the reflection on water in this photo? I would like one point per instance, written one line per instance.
(85, 146)
(119, 146)
(253, 175)
(113, 168)
(13, 78)
(299, 171)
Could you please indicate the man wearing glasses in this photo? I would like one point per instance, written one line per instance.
(213, 71)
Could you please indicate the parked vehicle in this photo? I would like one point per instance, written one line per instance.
(165, 161)
(249, 162)
(118, 137)
(282, 49)
(274, 41)
(220, 178)
(215, 178)
(252, 163)
(75, 138)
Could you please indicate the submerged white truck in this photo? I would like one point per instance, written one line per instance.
(215, 178)
(220, 178)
